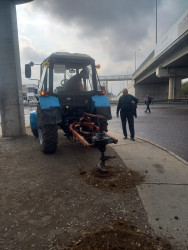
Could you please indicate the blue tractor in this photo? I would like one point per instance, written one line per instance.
(72, 99)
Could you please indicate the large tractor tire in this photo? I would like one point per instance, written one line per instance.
(48, 138)
(104, 125)
(35, 132)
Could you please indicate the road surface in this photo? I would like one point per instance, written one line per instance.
(166, 125)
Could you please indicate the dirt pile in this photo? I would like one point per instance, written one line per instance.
(121, 235)
(117, 179)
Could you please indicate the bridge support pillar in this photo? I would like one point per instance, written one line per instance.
(12, 110)
(174, 88)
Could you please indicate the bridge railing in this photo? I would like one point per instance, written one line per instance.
(151, 55)
(115, 77)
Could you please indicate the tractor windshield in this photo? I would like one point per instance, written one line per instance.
(72, 73)
(74, 78)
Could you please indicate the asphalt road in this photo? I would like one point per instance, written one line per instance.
(166, 125)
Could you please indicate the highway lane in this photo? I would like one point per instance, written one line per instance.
(166, 125)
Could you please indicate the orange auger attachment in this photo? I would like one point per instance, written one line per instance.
(89, 134)
(83, 131)
(92, 115)
(115, 141)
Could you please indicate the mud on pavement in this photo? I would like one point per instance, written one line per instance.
(61, 201)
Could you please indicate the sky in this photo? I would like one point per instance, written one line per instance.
(110, 31)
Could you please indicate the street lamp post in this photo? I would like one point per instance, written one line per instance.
(156, 23)
(127, 73)
(135, 57)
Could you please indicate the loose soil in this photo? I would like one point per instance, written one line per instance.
(62, 201)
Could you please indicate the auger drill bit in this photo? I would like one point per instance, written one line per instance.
(103, 159)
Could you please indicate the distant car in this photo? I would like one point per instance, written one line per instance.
(25, 101)
(31, 101)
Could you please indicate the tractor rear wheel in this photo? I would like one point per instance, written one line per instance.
(103, 125)
(48, 138)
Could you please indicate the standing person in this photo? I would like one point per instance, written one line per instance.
(147, 102)
(125, 106)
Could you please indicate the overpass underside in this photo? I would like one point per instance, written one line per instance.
(160, 75)
(155, 90)
(166, 86)
(163, 88)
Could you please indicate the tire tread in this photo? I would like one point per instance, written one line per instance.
(50, 139)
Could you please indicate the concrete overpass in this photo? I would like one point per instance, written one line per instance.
(161, 73)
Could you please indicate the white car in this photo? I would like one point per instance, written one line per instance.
(31, 101)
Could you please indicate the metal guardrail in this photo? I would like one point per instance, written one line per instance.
(169, 101)
(30, 104)
(165, 101)
(151, 55)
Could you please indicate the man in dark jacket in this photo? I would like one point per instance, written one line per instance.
(125, 106)
(147, 102)
(75, 82)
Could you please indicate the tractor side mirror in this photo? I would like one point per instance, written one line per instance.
(27, 70)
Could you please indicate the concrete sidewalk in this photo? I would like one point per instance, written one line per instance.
(164, 192)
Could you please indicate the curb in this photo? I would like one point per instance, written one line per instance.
(168, 151)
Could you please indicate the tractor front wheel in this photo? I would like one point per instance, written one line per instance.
(35, 132)
(48, 138)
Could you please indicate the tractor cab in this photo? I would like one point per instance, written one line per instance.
(72, 99)
(65, 72)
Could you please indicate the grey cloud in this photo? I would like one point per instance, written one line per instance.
(169, 12)
(96, 17)
(29, 53)
(125, 24)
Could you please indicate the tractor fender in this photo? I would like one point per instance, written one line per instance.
(101, 106)
(33, 120)
(48, 111)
